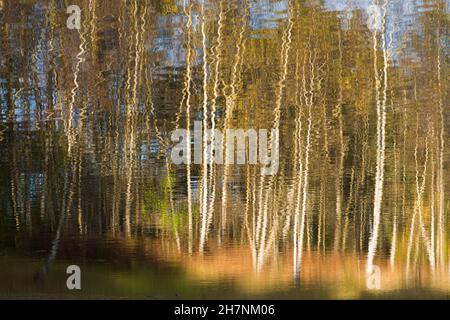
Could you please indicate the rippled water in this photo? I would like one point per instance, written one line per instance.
(357, 89)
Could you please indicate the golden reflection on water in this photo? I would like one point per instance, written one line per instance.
(360, 102)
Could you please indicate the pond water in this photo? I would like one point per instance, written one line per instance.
(357, 91)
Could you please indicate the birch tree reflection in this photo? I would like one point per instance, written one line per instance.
(357, 92)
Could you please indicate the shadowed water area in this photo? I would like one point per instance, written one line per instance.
(358, 91)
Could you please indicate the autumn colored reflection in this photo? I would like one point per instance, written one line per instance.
(357, 89)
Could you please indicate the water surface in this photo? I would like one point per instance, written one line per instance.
(357, 89)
